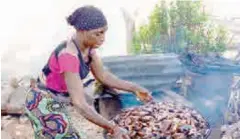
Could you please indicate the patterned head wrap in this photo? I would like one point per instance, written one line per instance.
(87, 18)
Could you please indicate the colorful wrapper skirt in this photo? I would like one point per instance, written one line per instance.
(49, 116)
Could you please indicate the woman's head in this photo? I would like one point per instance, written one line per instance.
(90, 23)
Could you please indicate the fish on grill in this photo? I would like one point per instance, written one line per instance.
(164, 120)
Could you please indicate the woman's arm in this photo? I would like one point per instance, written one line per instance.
(75, 89)
(109, 79)
(112, 81)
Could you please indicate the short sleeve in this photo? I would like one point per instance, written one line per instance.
(68, 63)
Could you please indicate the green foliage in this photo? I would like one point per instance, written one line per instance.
(177, 26)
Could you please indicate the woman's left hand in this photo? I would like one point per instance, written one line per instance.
(143, 94)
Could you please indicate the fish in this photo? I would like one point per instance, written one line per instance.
(158, 120)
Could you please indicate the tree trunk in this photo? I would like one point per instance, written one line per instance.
(130, 28)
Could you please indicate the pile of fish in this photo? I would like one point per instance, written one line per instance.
(164, 120)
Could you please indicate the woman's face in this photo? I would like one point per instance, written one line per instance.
(95, 38)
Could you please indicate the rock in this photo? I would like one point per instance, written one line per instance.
(17, 100)
(5, 96)
(13, 96)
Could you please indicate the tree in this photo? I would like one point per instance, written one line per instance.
(177, 26)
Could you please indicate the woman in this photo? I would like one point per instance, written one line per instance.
(63, 78)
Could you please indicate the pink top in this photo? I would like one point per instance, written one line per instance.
(65, 63)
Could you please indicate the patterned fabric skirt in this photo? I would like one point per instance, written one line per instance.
(48, 115)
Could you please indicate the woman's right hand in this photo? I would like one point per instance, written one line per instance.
(120, 133)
